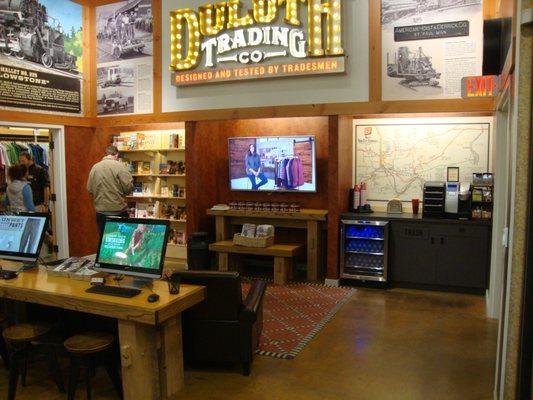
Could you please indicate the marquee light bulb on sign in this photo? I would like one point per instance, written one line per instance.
(234, 21)
(189, 29)
(265, 16)
(177, 29)
(207, 28)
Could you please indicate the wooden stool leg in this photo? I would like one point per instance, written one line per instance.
(88, 375)
(14, 374)
(3, 352)
(74, 373)
(25, 356)
(111, 367)
(53, 364)
(281, 270)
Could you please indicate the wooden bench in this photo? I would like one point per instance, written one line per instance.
(283, 257)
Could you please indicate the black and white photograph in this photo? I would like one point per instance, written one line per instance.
(41, 40)
(413, 69)
(124, 31)
(428, 46)
(393, 10)
(116, 89)
(116, 75)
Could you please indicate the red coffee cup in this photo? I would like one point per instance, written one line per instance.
(415, 203)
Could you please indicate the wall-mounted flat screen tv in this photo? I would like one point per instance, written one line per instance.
(273, 163)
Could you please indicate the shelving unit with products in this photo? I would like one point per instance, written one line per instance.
(364, 250)
(156, 160)
(482, 195)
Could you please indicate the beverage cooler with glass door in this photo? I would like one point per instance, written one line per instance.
(364, 250)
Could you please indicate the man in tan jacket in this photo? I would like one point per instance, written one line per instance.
(109, 183)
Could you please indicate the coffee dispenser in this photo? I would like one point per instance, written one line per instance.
(464, 208)
(457, 200)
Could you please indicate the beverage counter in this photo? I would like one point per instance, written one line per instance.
(435, 253)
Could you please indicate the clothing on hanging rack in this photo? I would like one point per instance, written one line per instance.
(10, 152)
(289, 172)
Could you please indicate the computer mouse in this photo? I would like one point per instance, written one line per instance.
(153, 298)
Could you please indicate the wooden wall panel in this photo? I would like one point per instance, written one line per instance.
(340, 181)
(208, 169)
(83, 150)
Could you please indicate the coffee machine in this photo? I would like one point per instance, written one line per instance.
(457, 200)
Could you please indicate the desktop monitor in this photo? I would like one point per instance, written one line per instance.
(21, 236)
(133, 246)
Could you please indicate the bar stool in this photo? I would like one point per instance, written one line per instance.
(19, 339)
(85, 350)
(3, 347)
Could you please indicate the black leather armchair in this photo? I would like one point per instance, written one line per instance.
(223, 328)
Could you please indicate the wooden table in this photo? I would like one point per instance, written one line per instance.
(283, 257)
(311, 220)
(150, 334)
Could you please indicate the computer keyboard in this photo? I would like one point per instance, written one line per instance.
(114, 291)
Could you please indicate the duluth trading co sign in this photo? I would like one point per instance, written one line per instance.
(222, 42)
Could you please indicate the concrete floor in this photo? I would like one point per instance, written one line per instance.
(396, 344)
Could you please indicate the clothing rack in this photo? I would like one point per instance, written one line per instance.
(24, 138)
(287, 177)
(30, 142)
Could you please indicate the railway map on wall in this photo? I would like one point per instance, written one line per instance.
(396, 157)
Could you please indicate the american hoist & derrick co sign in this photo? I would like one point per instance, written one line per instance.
(223, 42)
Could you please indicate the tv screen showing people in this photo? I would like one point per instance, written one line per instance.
(273, 163)
(134, 244)
(21, 236)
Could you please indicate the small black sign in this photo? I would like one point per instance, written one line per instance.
(431, 31)
(24, 88)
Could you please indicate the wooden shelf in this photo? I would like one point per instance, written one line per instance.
(303, 214)
(156, 197)
(137, 151)
(158, 175)
(152, 150)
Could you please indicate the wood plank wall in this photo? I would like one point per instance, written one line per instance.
(208, 168)
(85, 145)
(83, 149)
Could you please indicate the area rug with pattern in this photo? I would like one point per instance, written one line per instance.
(293, 314)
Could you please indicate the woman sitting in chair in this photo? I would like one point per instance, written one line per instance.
(252, 161)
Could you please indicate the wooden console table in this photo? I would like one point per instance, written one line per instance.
(311, 220)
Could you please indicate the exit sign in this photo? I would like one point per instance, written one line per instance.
(480, 86)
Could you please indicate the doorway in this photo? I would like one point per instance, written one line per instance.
(497, 295)
(45, 143)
